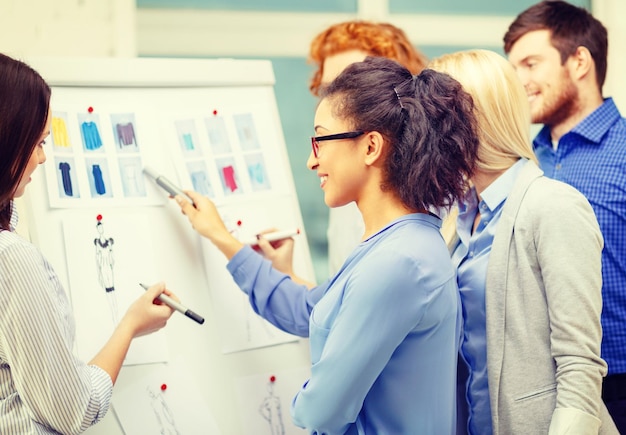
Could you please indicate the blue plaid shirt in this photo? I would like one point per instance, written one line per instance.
(592, 158)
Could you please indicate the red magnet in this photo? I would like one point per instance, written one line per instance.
(90, 109)
(272, 378)
(99, 217)
(163, 387)
(215, 112)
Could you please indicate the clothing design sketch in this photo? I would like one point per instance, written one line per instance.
(132, 180)
(105, 263)
(91, 136)
(126, 134)
(162, 413)
(229, 178)
(258, 178)
(59, 133)
(65, 168)
(188, 142)
(271, 411)
(201, 183)
(97, 179)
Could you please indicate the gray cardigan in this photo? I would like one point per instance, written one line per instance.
(543, 304)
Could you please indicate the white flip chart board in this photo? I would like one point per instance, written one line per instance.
(207, 125)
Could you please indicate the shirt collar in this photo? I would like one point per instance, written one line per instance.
(14, 217)
(592, 128)
(498, 191)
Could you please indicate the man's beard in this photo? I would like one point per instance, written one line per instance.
(559, 105)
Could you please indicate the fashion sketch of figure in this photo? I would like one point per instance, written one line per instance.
(104, 263)
(271, 411)
(162, 413)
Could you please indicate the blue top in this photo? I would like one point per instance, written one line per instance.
(470, 257)
(592, 158)
(384, 332)
(91, 136)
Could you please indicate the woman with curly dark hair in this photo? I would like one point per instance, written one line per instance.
(384, 331)
(330, 52)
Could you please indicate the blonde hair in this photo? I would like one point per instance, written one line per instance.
(500, 102)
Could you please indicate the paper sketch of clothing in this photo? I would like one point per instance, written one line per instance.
(126, 134)
(188, 141)
(97, 179)
(131, 183)
(105, 263)
(91, 135)
(162, 413)
(229, 178)
(65, 169)
(59, 133)
(201, 183)
(257, 173)
(271, 411)
(244, 123)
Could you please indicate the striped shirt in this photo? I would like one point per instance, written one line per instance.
(592, 158)
(44, 388)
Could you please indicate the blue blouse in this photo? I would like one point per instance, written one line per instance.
(384, 332)
(471, 256)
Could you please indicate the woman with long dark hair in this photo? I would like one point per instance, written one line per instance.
(44, 388)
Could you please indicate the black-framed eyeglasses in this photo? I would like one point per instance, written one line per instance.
(315, 140)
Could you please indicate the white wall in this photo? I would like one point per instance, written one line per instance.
(68, 27)
(612, 13)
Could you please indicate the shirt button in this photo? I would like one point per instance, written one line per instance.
(558, 166)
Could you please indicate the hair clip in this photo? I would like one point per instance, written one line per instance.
(399, 100)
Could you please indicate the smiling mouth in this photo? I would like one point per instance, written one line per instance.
(323, 179)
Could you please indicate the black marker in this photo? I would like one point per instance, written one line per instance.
(177, 306)
(166, 184)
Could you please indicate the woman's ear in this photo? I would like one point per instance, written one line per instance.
(375, 148)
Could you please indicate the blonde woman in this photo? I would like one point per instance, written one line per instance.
(528, 257)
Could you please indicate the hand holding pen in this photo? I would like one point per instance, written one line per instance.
(143, 316)
(164, 183)
(175, 305)
(206, 220)
(277, 247)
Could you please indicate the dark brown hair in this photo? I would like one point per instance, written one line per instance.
(24, 105)
(570, 27)
(427, 119)
(374, 39)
